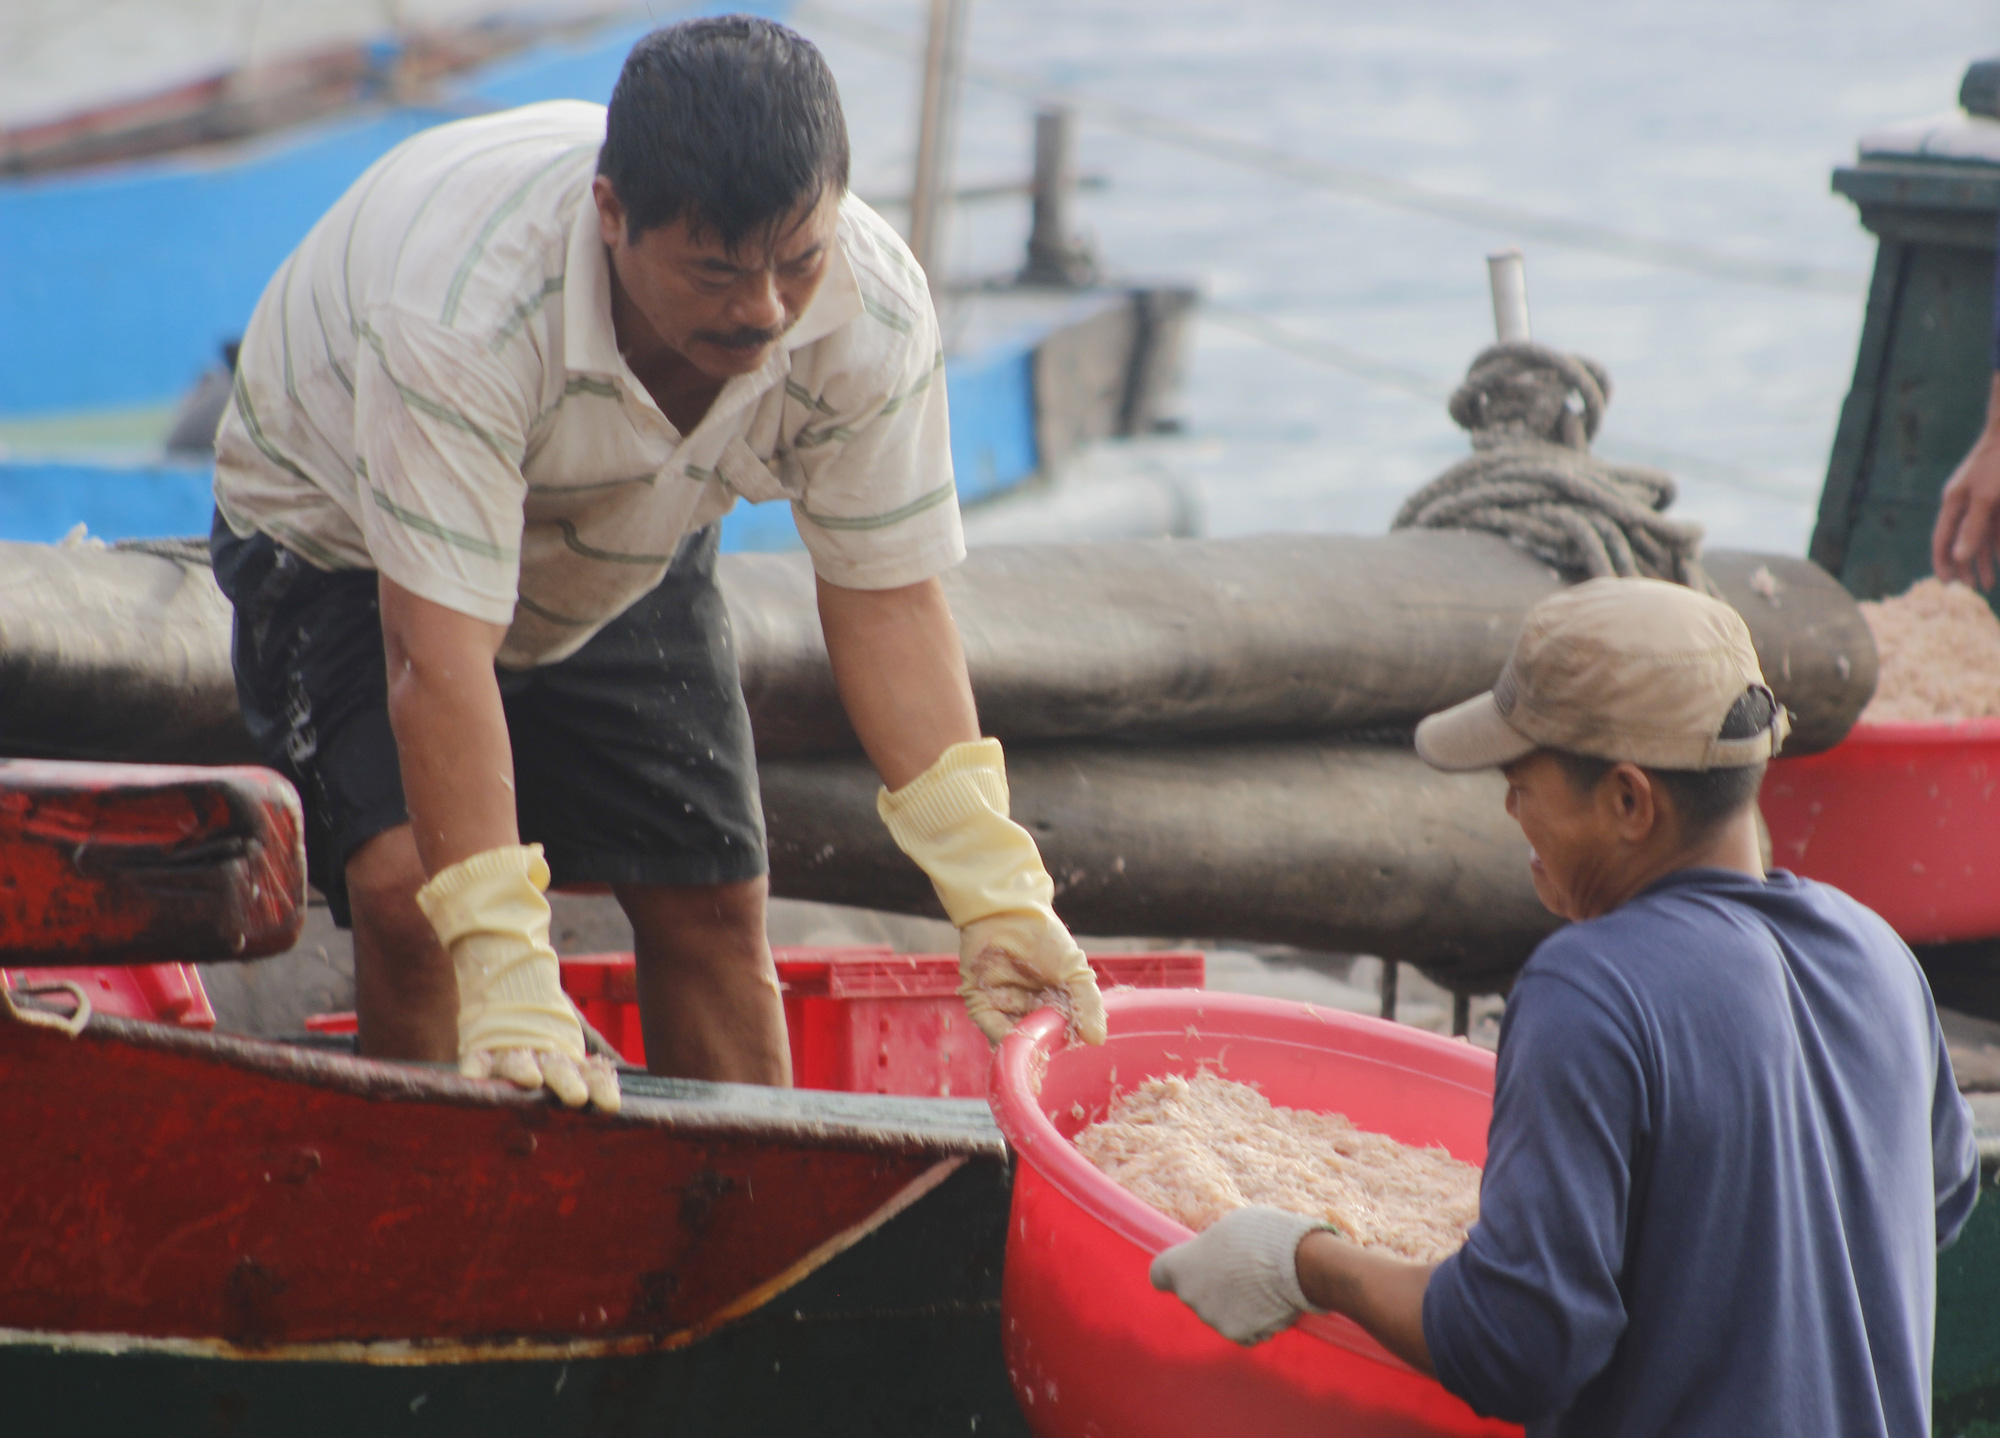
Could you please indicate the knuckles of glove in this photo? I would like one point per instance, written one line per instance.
(1014, 963)
(1240, 1274)
(574, 1082)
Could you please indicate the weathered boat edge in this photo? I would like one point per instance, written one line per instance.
(808, 1117)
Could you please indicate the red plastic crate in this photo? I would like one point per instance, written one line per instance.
(163, 993)
(866, 1020)
(606, 988)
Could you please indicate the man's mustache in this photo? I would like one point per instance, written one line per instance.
(741, 339)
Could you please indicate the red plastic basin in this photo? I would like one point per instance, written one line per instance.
(1093, 1350)
(1905, 817)
(161, 993)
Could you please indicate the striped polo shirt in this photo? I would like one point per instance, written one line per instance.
(430, 387)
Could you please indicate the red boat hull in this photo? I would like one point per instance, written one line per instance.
(207, 1234)
(239, 1197)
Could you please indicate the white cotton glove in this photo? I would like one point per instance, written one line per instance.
(1241, 1274)
(514, 1021)
(1014, 955)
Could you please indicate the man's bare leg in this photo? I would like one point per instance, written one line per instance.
(405, 992)
(708, 992)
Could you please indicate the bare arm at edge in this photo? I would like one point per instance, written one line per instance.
(900, 668)
(1384, 1295)
(1965, 544)
(451, 732)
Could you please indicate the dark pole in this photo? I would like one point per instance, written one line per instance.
(1054, 255)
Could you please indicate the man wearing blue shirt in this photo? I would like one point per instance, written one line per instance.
(1726, 1144)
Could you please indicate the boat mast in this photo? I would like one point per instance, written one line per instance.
(1507, 272)
(936, 120)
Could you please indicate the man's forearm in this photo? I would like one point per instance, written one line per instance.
(901, 670)
(1992, 431)
(451, 731)
(1965, 540)
(1384, 1295)
(901, 673)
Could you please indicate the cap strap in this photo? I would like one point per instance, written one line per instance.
(1765, 744)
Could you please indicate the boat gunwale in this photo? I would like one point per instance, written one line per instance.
(811, 1118)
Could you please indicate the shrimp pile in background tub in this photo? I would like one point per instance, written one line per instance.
(1904, 813)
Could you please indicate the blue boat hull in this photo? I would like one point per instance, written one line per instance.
(123, 283)
(992, 449)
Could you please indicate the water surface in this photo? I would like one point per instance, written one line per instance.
(1714, 123)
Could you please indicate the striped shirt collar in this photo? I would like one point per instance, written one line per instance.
(591, 344)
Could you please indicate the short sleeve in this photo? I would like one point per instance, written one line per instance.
(1529, 1311)
(877, 507)
(440, 429)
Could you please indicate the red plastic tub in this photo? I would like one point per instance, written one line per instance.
(163, 993)
(1093, 1350)
(1905, 817)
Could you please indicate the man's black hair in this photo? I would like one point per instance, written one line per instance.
(732, 123)
(1703, 798)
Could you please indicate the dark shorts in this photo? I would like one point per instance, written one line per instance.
(632, 757)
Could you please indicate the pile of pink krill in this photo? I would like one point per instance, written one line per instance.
(1197, 1148)
(1940, 648)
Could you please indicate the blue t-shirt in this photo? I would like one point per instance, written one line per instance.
(1726, 1146)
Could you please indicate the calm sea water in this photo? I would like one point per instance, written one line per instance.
(1715, 122)
(1711, 122)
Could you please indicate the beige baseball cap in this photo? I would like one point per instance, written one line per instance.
(1630, 670)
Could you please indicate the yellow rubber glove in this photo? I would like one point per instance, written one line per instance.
(514, 1020)
(1014, 955)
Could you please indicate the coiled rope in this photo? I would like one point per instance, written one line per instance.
(1532, 412)
(192, 552)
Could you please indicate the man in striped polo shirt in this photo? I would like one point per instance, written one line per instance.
(486, 418)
